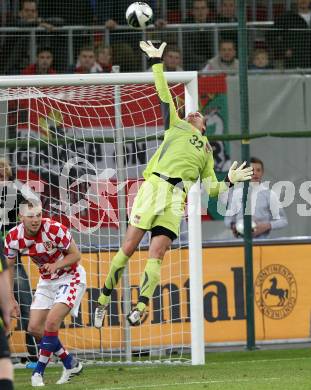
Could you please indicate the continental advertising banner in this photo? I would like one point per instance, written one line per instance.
(281, 294)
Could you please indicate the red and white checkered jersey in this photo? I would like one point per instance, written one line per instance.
(48, 246)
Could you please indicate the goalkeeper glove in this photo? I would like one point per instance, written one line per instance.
(151, 51)
(240, 173)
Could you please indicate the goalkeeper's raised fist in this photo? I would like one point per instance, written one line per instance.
(150, 50)
(240, 173)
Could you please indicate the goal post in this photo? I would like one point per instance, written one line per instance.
(187, 78)
(65, 116)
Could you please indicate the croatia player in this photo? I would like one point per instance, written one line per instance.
(61, 285)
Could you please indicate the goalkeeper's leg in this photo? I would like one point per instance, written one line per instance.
(115, 272)
(132, 239)
(150, 278)
(164, 229)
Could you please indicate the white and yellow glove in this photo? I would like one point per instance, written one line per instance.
(150, 50)
(241, 173)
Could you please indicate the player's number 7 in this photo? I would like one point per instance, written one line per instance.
(64, 287)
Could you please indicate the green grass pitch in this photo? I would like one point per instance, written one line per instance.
(273, 369)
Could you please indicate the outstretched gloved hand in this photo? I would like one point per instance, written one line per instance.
(241, 173)
(151, 51)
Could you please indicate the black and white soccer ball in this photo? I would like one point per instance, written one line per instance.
(240, 227)
(139, 15)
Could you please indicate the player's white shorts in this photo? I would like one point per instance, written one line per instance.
(67, 289)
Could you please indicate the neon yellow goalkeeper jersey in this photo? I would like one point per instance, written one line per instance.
(184, 153)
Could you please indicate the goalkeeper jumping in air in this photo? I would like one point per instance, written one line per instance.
(183, 157)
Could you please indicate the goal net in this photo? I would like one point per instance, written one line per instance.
(82, 143)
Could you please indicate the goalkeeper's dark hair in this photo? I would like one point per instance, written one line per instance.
(256, 160)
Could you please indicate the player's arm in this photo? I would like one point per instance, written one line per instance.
(11, 255)
(279, 219)
(72, 256)
(211, 184)
(209, 180)
(168, 108)
(235, 175)
(15, 311)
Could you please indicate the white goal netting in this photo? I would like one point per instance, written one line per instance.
(83, 149)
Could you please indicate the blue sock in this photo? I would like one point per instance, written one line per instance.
(65, 356)
(48, 345)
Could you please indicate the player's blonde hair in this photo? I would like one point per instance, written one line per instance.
(6, 167)
(30, 207)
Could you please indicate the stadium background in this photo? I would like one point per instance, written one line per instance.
(279, 102)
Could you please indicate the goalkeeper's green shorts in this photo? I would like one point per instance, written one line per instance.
(158, 203)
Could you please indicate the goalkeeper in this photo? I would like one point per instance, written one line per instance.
(183, 157)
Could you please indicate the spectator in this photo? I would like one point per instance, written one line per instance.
(172, 59)
(226, 59)
(260, 60)
(227, 14)
(290, 38)
(29, 17)
(198, 43)
(73, 13)
(267, 212)
(86, 62)
(104, 58)
(10, 201)
(43, 65)
(8, 8)
(17, 46)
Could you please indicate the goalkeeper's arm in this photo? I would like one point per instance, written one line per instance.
(169, 111)
(235, 175)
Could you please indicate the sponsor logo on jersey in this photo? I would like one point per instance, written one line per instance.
(276, 291)
(136, 218)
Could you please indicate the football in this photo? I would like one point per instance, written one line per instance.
(139, 15)
(240, 226)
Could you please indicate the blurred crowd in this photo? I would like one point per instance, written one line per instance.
(42, 37)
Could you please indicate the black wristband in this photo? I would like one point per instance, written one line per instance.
(154, 61)
(227, 180)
